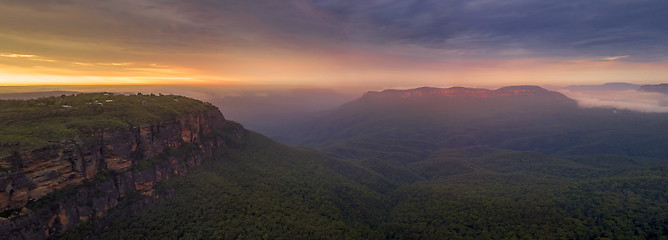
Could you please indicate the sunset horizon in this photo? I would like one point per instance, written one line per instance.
(373, 45)
(333, 119)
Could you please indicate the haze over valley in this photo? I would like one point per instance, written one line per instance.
(333, 119)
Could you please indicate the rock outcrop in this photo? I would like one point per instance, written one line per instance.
(484, 100)
(57, 187)
(463, 92)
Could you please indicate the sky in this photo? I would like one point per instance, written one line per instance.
(374, 44)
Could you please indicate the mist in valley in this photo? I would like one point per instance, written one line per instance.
(628, 99)
(260, 108)
(381, 119)
(267, 108)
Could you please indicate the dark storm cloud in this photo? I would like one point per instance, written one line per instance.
(556, 28)
(476, 28)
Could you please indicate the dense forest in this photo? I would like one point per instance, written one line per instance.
(391, 169)
(271, 191)
(334, 119)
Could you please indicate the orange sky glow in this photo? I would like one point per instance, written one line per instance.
(350, 70)
(310, 45)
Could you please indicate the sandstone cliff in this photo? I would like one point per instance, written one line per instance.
(463, 92)
(57, 187)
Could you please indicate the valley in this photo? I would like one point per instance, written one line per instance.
(518, 162)
(333, 119)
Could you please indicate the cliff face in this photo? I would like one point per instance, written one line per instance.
(463, 92)
(484, 100)
(89, 175)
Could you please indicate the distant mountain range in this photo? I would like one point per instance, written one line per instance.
(516, 117)
(463, 143)
(462, 92)
(621, 86)
(518, 162)
(616, 86)
(474, 98)
(660, 88)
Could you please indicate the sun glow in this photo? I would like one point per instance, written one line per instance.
(27, 80)
(19, 69)
(354, 68)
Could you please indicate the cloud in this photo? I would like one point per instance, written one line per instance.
(26, 56)
(628, 100)
(555, 28)
(115, 64)
(615, 58)
(16, 55)
(478, 28)
(231, 38)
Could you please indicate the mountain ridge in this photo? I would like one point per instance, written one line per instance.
(659, 88)
(519, 90)
(613, 86)
(515, 117)
(515, 166)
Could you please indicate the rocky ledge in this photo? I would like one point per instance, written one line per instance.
(58, 187)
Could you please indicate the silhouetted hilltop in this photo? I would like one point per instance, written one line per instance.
(615, 86)
(660, 88)
(524, 90)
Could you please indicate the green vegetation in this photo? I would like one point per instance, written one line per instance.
(431, 169)
(185, 151)
(502, 194)
(267, 191)
(411, 129)
(53, 197)
(270, 191)
(412, 171)
(36, 123)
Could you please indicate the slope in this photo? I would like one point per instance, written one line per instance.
(65, 161)
(407, 125)
(265, 191)
(270, 191)
(409, 180)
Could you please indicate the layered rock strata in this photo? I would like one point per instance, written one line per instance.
(56, 188)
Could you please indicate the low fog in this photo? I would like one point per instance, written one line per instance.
(627, 99)
(265, 108)
(258, 108)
